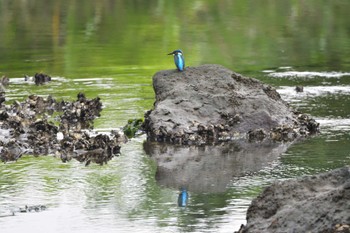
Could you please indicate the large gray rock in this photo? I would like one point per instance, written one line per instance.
(319, 203)
(210, 103)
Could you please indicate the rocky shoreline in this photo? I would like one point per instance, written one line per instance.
(204, 118)
(29, 127)
(207, 105)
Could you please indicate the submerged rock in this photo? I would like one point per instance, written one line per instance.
(210, 104)
(318, 203)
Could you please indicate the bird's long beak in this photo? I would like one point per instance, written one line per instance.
(171, 53)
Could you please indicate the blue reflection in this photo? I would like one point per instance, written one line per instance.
(183, 198)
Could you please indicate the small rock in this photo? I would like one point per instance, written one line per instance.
(299, 88)
(40, 78)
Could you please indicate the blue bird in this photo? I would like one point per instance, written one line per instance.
(183, 198)
(179, 59)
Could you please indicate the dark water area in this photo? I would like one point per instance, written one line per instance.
(111, 49)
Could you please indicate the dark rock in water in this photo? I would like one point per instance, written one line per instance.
(42, 136)
(99, 149)
(80, 114)
(11, 151)
(319, 203)
(299, 88)
(210, 168)
(40, 78)
(40, 105)
(25, 129)
(211, 104)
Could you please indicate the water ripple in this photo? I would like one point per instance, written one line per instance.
(307, 74)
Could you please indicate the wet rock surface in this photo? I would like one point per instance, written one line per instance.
(211, 104)
(29, 127)
(319, 203)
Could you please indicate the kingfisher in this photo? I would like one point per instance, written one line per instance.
(183, 198)
(178, 59)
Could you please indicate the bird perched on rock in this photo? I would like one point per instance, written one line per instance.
(179, 59)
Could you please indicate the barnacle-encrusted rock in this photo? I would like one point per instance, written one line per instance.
(210, 104)
(27, 128)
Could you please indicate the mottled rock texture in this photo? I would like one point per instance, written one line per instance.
(319, 203)
(210, 104)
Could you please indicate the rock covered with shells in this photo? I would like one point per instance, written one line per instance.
(86, 148)
(80, 114)
(211, 104)
(29, 127)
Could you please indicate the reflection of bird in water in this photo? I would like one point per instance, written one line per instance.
(183, 198)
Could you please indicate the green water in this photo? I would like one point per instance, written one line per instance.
(111, 49)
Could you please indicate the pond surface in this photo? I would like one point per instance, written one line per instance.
(111, 49)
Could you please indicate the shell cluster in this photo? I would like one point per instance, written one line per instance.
(29, 127)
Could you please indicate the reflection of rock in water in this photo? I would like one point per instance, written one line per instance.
(210, 168)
